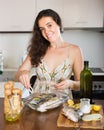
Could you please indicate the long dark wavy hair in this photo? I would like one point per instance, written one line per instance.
(38, 44)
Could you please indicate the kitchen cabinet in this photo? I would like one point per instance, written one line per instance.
(17, 15)
(83, 13)
(77, 13)
(56, 5)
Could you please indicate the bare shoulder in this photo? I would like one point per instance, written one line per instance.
(73, 47)
(75, 54)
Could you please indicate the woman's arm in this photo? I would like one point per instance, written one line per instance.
(77, 68)
(22, 75)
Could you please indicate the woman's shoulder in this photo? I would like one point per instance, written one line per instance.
(72, 46)
(74, 51)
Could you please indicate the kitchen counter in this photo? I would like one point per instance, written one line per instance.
(32, 120)
(8, 74)
(97, 71)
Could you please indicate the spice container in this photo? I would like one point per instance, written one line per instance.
(12, 102)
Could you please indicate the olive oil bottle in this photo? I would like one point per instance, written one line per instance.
(86, 79)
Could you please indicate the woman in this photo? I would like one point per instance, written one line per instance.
(53, 59)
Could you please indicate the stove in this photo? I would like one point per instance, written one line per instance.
(97, 70)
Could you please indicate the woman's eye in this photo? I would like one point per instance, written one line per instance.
(41, 29)
(49, 25)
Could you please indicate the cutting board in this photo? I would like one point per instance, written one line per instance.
(65, 122)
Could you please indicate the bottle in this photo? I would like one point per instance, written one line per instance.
(1, 62)
(86, 82)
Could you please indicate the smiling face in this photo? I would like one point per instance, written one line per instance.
(49, 28)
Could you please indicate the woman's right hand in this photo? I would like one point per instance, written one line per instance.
(24, 78)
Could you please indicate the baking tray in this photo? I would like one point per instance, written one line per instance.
(46, 101)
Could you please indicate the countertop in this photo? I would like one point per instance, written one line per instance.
(33, 120)
(97, 71)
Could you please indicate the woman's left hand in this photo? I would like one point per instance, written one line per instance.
(65, 83)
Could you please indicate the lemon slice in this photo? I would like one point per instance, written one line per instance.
(76, 106)
(96, 107)
(92, 117)
(70, 102)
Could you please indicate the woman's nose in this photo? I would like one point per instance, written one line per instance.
(46, 30)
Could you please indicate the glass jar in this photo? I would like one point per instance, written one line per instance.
(15, 105)
(85, 106)
(12, 114)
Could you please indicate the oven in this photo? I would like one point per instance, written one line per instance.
(98, 87)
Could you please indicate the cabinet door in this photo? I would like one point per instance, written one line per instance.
(17, 15)
(83, 13)
(56, 5)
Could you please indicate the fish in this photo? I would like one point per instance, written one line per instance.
(40, 99)
(70, 113)
(52, 103)
(43, 104)
(46, 101)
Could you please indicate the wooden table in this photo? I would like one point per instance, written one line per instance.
(32, 120)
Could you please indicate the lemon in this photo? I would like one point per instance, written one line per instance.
(70, 102)
(96, 107)
(77, 106)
